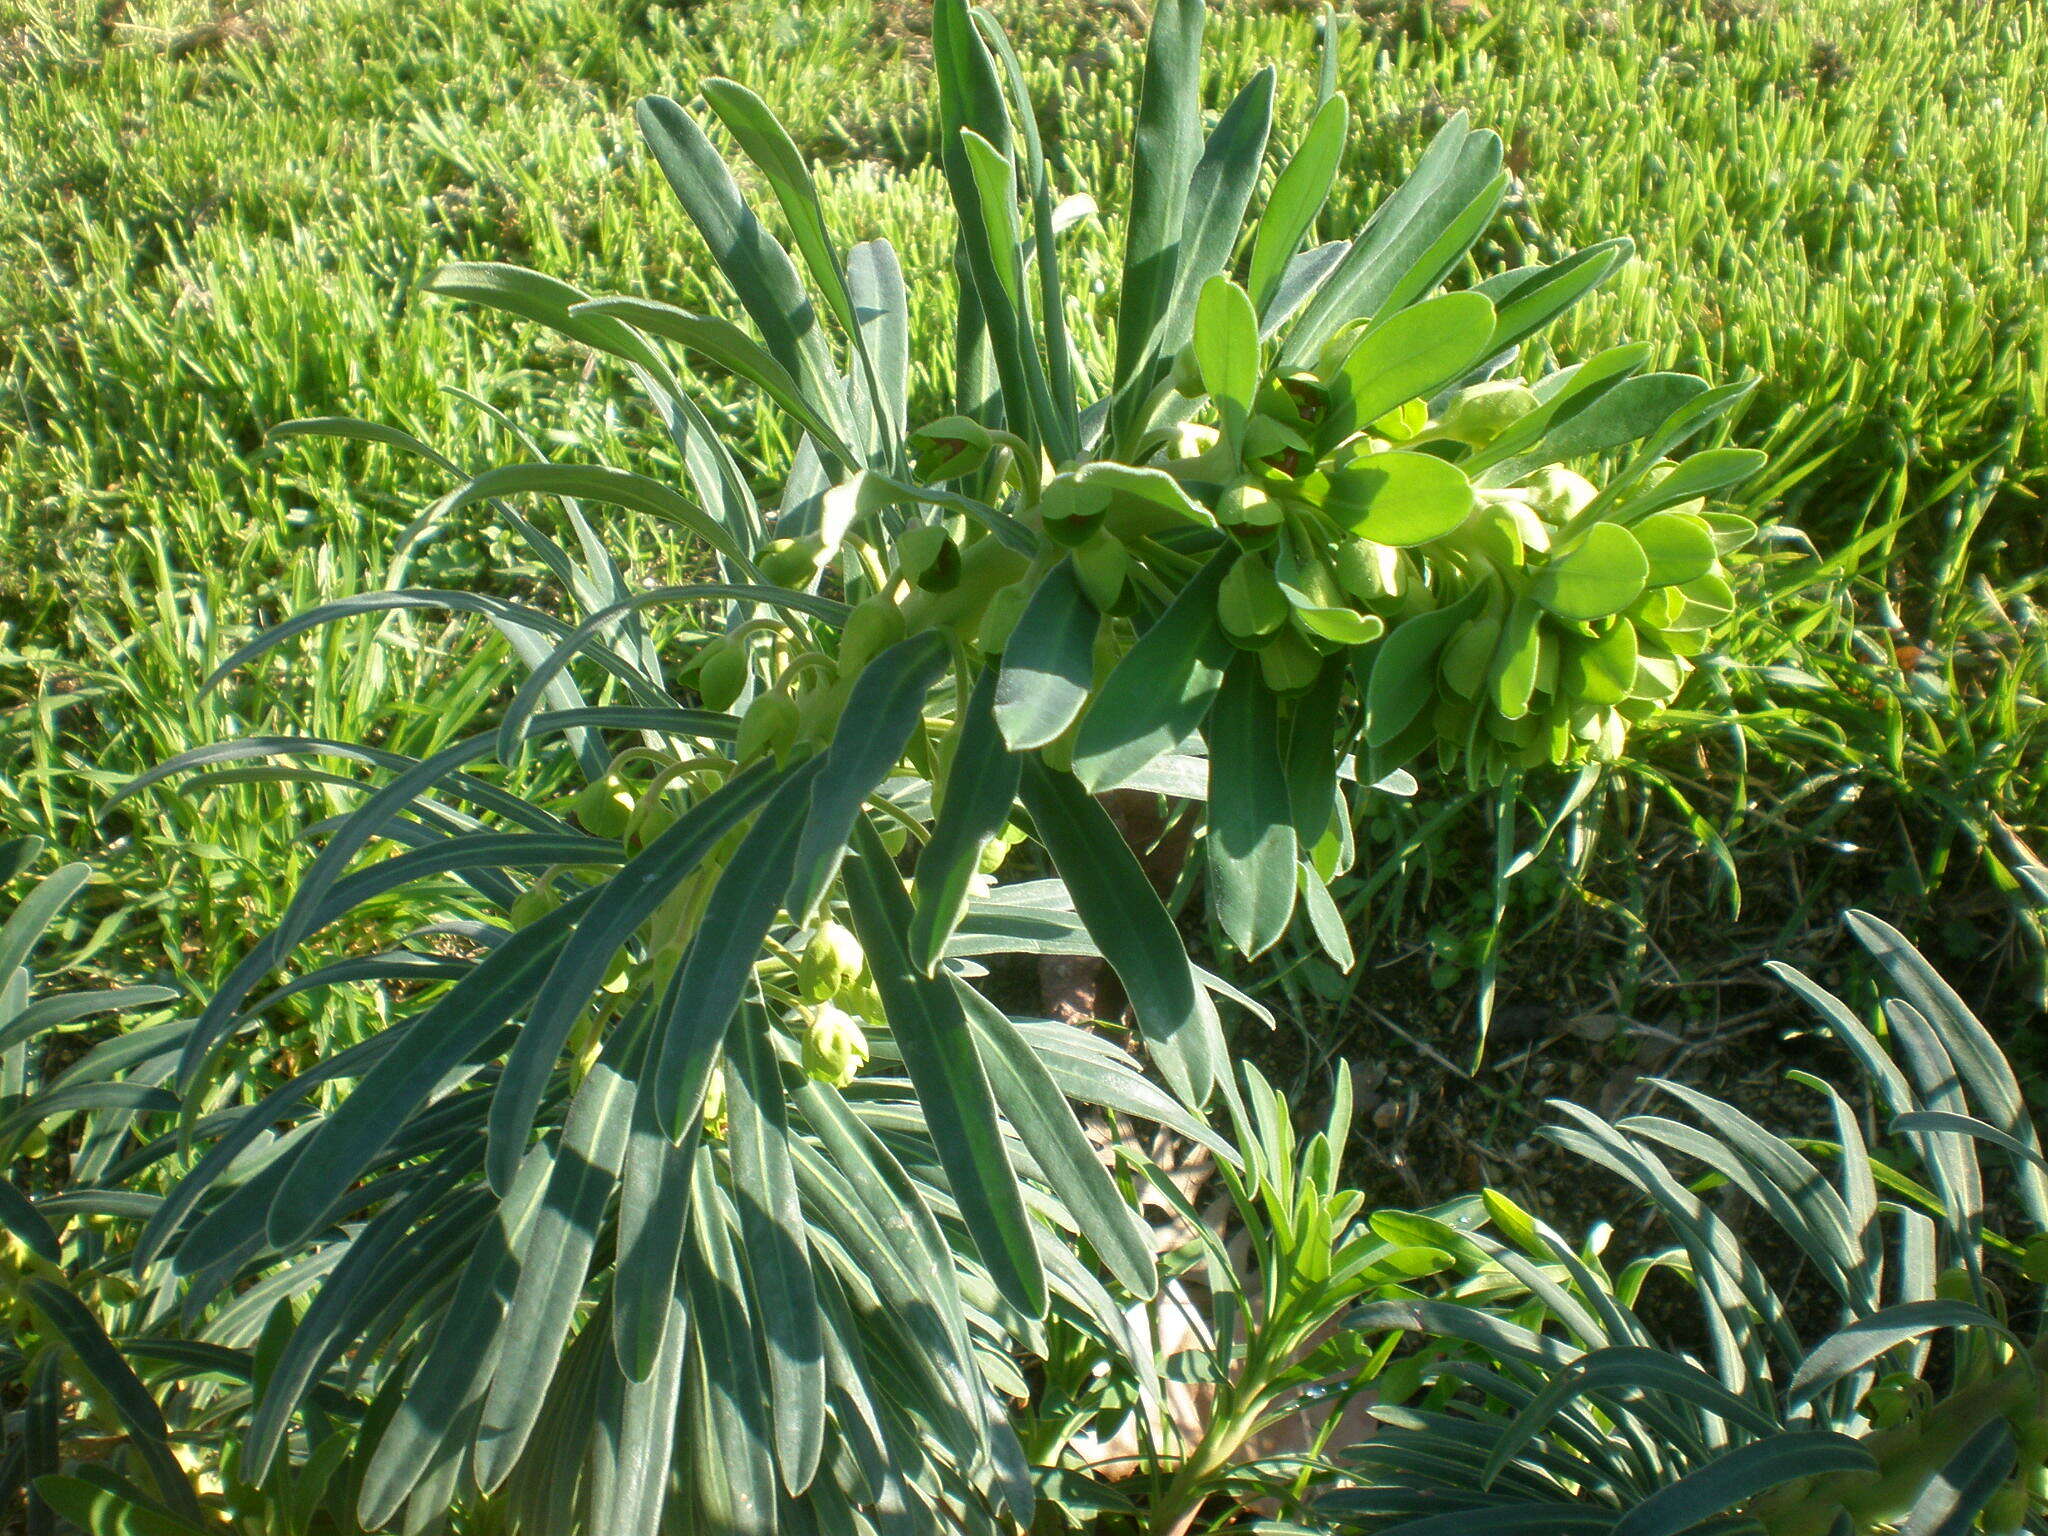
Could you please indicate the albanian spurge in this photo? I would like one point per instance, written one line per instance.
(705, 1184)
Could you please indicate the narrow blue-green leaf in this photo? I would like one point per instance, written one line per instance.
(119, 1387)
(1131, 927)
(1855, 1345)
(931, 1031)
(725, 1412)
(1529, 298)
(1157, 695)
(1164, 152)
(1961, 1490)
(531, 296)
(1453, 170)
(1038, 1111)
(1048, 662)
(625, 902)
(461, 1356)
(1219, 191)
(705, 992)
(882, 712)
(754, 263)
(1251, 843)
(732, 349)
(1731, 1480)
(977, 792)
(553, 1256)
(36, 911)
(389, 1092)
(768, 144)
(777, 1251)
(654, 1209)
(639, 1487)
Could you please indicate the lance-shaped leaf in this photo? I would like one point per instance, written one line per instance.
(1037, 1110)
(704, 994)
(632, 896)
(1251, 845)
(1218, 193)
(391, 1091)
(977, 792)
(1131, 927)
(1156, 696)
(777, 1250)
(1453, 174)
(464, 1350)
(768, 144)
(1739, 1475)
(952, 1089)
(1529, 298)
(556, 1252)
(732, 349)
(1048, 662)
(114, 1382)
(1298, 196)
(725, 1419)
(1164, 152)
(758, 268)
(884, 709)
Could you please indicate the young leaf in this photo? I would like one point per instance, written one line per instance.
(1164, 152)
(1411, 355)
(778, 1258)
(1227, 351)
(1602, 574)
(1298, 196)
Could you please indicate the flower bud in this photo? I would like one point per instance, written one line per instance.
(1479, 414)
(948, 448)
(534, 903)
(721, 674)
(1247, 505)
(927, 557)
(1557, 493)
(871, 628)
(769, 726)
(1102, 564)
(1289, 663)
(714, 1105)
(1003, 612)
(1072, 512)
(1249, 602)
(830, 964)
(604, 806)
(792, 563)
(835, 1047)
(1366, 571)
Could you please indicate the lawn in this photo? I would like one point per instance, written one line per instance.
(218, 220)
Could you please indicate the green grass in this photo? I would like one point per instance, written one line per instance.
(209, 231)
